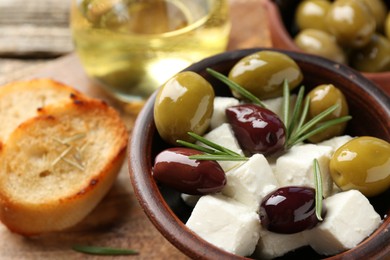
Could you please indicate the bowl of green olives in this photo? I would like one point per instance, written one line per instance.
(154, 135)
(351, 32)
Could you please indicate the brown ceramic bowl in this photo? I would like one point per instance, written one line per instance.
(280, 15)
(370, 109)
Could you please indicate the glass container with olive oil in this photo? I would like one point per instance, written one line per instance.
(131, 47)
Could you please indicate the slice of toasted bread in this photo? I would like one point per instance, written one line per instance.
(21, 100)
(57, 166)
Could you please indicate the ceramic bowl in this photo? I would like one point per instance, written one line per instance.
(370, 109)
(280, 15)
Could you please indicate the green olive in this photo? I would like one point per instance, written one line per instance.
(387, 26)
(312, 10)
(379, 10)
(374, 57)
(320, 43)
(363, 164)
(264, 72)
(183, 104)
(351, 22)
(321, 98)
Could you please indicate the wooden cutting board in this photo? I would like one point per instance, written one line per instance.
(118, 221)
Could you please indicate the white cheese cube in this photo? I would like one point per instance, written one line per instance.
(336, 142)
(220, 105)
(250, 182)
(350, 218)
(226, 224)
(273, 245)
(189, 199)
(295, 167)
(276, 105)
(223, 135)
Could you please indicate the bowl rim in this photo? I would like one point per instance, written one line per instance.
(162, 216)
(281, 38)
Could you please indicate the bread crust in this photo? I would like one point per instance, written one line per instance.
(40, 193)
(21, 100)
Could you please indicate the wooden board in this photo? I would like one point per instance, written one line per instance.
(118, 221)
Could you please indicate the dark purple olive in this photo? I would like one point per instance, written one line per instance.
(289, 210)
(257, 129)
(197, 177)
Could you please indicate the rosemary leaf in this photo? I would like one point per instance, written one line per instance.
(296, 111)
(196, 147)
(318, 188)
(95, 250)
(233, 85)
(286, 104)
(62, 155)
(305, 110)
(217, 157)
(313, 122)
(213, 145)
(320, 128)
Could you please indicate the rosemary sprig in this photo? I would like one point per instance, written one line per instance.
(234, 86)
(297, 129)
(318, 188)
(72, 150)
(212, 151)
(96, 250)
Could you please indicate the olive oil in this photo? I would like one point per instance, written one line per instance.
(131, 47)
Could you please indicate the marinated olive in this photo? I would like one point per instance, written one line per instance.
(320, 43)
(183, 104)
(264, 72)
(258, 130)
(321, 98)
(289, 210)
(374, 57)
(387, 26)
(379, 10)
(363, 164)
(351, 22)
(197, 177)
(312, 10)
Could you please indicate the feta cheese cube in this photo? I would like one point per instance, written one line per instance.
(250, 182)
(350, 218)
(226, 224)
(336, 142)
(223, 135)
(276, 105)
(296, 167)
(220, 105)
(272, 245)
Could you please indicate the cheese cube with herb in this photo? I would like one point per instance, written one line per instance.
(226, 224)
(350, 218)
(295, 167)
(272, 245)
(220, 105)
(250, 182)
(223, 135)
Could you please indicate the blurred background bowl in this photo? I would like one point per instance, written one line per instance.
(282, 30)
(369, 107)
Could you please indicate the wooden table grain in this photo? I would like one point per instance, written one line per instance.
(119, 221)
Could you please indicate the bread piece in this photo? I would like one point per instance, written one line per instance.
(56, 167)
(20, 100)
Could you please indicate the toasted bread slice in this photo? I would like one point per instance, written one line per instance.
(57, 166)
(21, 100)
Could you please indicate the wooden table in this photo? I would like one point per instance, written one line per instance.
(118, 221)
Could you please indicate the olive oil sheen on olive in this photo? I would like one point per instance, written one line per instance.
(131, 47)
